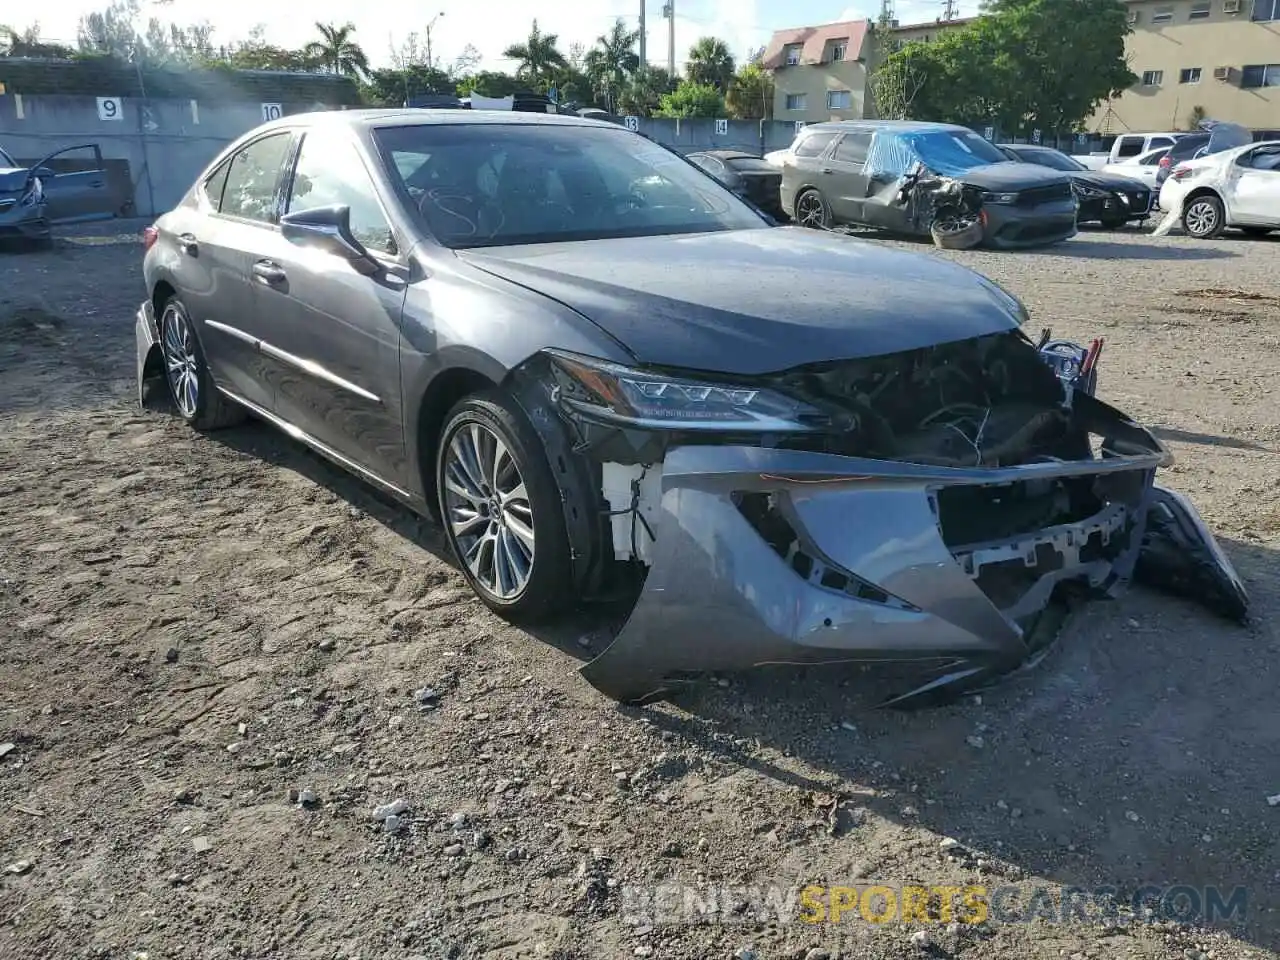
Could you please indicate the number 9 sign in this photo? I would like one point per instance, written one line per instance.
(272, 111)
(110, 108)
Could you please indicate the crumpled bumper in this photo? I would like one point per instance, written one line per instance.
(23, 222)
(877, 580)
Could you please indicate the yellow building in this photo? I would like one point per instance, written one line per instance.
(1199, 58)
(1193, 58)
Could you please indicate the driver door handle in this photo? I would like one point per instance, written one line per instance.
(188, 245)
(269, 272)
(828, 170)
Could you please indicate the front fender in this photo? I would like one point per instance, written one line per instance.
(150, 362)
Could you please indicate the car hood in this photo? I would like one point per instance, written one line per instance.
(1108, 181)
(1004, 177)
(13, 179)
(750, 302)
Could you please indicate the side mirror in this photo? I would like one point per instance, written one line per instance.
(329, 229)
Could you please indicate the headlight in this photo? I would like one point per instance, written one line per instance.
(670, 402)
(1086, 192)
(999, 198)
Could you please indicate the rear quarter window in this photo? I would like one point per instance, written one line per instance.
(814, 145)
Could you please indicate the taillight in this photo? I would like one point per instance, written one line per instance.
(149, 237)
(1180, 172)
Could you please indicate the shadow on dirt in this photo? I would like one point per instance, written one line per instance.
(1138, 753)
(1208, 439)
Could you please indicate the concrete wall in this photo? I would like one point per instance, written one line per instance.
(164, 144)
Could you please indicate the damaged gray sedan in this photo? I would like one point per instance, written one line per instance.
(611, 378)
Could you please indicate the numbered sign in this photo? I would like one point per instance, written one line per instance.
(110, 108)
(632, 123)
(1082, 138)
(800, 125)
(272, 111)
(1035, 136)
(989, 133)
(722, 128)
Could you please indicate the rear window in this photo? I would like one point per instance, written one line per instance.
(814, 144)
(751, 165)
(1187, 146)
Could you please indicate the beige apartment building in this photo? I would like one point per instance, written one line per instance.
(1212, 58)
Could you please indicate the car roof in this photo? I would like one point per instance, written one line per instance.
(419, 116)
(725, 154)
(890, 126)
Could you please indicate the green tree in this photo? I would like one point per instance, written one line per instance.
(643, 95)
(539, 56)
(612, 61)
(750, 94)
(27, 43)
(393, 87)
(692, 100)
(337, 52)
(110, 32)
(710, 64)
(489, 83)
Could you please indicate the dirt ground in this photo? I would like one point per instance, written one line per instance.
(198, 632)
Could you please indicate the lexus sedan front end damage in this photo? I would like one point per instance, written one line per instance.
(938, 505)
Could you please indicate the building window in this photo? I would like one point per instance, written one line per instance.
(1200, 10)
(796, 101)
(839, 99)
(1152, 78)
(1189, 75)
(793, 54)
(1260, 75)
(1266, 10)
(838, 50)
(1162, 15)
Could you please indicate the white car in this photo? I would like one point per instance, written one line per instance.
(1236, 188)
(1143, 167)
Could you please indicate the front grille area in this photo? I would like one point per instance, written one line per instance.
(1038, 195)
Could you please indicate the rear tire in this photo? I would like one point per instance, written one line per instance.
(197, 399)
(812, 210)
(501, 510)
(1204, 217)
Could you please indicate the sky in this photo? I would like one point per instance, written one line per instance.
(490, 25)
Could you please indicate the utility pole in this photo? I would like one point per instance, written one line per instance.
(430, 26)
(644, 52)
(669, 11)
(948, 9)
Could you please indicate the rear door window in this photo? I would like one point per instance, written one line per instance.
(814, 145)
(254, 177)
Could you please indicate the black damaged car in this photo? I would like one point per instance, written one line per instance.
(1105, 198)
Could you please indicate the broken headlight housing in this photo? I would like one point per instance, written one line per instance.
(669, 401)
(1086, 192)
(34, 195)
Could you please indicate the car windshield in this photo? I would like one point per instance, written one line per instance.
(494, 184)
(953, 151)
(1045, 157)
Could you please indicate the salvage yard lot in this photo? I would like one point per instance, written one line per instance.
(191, 628)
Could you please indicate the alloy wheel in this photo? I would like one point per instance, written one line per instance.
(180, 361)
(811, 211)
(1202, 217)
(488, 511)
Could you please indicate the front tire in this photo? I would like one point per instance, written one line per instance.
(190, 385)
(1204, 217)
(812, 210)
(501, 509)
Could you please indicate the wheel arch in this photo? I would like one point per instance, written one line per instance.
(446, 389)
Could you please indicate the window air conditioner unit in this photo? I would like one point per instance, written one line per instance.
(1230, 6)
(1222, 73)
(1133, 16)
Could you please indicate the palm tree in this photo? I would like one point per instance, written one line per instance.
(710, 63)
(337, 51)
(613, 60)
(538, 56)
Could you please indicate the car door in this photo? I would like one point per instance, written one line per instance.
(845, 177)
(332, 334)
(74, 181)
(240, 205)
(1254, 198)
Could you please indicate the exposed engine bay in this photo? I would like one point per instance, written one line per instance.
(932, 504)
